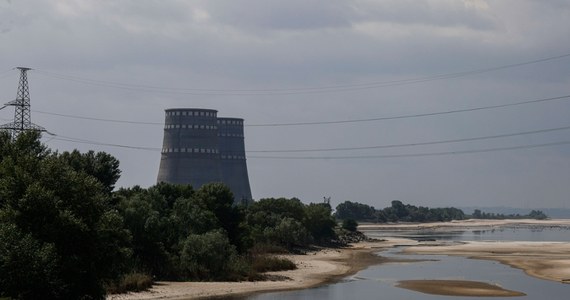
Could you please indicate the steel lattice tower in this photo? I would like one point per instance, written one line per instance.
(22, 116)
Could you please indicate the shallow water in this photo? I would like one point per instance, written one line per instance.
(539, 234)
(377, 282)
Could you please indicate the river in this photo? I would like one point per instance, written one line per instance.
(378, 282)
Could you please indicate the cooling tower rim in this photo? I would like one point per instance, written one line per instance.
(191, 109)
(230, 118)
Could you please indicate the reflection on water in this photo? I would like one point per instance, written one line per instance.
(377, 282)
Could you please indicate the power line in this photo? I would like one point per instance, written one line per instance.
(97, 119)
(566, 97)
(84, 141)
(411, 115)
(289, 91)
(415, 144)
(89, 142)
(414, 154)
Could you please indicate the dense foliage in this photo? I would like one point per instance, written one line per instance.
(355, 211)
(61, 238)
(66, 235)
(534, 214)
(397, 212)
(400, 212)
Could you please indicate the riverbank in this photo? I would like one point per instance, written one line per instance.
(545, 260)
(313, 269)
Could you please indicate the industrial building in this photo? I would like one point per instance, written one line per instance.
(198, 148)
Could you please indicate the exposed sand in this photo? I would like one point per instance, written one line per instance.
(313, 269)
(457, 288)
(465, 224)
(546, 260)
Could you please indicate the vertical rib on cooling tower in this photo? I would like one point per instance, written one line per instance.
(190, 152)
(232, 155)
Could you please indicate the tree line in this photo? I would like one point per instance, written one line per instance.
(534, 214)
(67, 234)
(397, 212)
(400, 212)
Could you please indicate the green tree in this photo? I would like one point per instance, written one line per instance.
(219, 199)
(288, 233)
(61, 214)
(267, 221)
(207, 256)
(319, 222)
(356, 211)
(100, 165)
(349, 224)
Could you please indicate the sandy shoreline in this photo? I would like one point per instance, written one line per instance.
(546, 260)
(313, 269)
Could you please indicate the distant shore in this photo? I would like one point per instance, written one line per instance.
(540, 259)
(466, 224)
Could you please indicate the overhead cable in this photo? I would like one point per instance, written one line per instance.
(288, 91)
(566, 97)
(89, 142)
(84, 141)
(413, 154)
(415, 144)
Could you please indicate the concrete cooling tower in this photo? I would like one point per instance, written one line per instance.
(232, 155)
(199, 148)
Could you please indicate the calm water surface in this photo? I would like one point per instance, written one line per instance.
(377, 282)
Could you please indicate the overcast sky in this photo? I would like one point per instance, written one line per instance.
(270, 62)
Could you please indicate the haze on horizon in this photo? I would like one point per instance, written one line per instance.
(272, 62)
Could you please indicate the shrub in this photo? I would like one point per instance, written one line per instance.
(134, 282)
(350, 225)
(264, 248)
(265, 263)
(207, 256)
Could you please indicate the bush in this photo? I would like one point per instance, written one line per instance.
(207, 256)
(270, 263)
(264, 248)
(350, 225)
(134, 282)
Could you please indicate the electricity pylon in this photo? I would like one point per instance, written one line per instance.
(22, 117)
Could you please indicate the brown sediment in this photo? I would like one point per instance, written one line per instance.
(457, 288)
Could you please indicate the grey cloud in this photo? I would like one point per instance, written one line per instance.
(288, 44)
(282, 15)
(261, 15)
(431, 13)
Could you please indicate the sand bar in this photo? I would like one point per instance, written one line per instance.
(545, 260)
(457, 288)
(467, 224)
